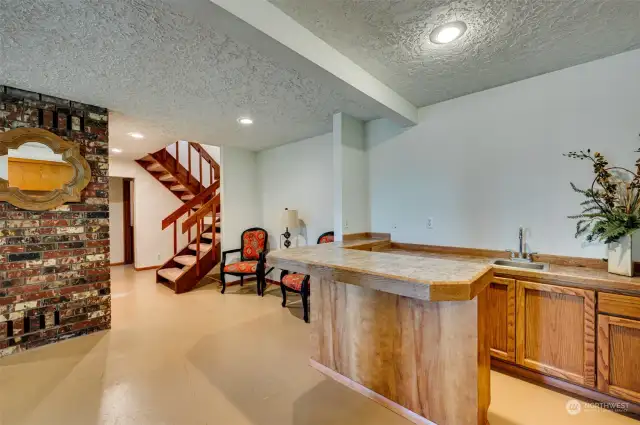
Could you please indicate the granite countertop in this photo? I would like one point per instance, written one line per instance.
(435, 279)
(427, 275)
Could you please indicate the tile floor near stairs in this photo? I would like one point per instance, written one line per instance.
(203, 358)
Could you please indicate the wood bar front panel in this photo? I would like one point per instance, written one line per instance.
(555, 331)
(501, 321)
(429, 357)
(619, 357)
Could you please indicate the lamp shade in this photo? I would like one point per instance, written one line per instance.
(290, 219)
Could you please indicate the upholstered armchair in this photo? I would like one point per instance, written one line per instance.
(299, 283)
(253, 251)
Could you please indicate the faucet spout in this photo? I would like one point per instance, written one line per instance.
(521, 249)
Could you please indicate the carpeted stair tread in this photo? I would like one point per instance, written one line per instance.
(187, 260)
(178, 188)
(187, 197)
(154, 168)
(167, 178)
(171, 274)
(203, 247)
(209, 235)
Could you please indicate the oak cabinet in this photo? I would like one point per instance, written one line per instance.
(501, 298)
(619, 357)
(555, 331)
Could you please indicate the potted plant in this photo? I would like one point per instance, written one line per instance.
(611, 210)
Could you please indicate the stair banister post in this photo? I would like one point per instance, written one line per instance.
(175, 237)
(189, 215)
(210, 174)
(177, 156)
(189, 159)
(198, 249)
(201, 179)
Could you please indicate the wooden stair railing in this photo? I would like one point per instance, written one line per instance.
(187, 208)
(214, 170)
(197, 219)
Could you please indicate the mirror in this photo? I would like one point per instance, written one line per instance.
(39, 170)
(35, 168)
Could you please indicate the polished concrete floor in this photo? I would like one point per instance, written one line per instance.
(206, 358)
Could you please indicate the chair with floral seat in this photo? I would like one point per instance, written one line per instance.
(299, 283)
(253, 251)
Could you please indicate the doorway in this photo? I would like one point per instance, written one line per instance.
(121, 221)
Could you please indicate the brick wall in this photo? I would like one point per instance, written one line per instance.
(54, 265)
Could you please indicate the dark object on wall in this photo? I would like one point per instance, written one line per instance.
(299, 283)
(289, 221)
(253, 252)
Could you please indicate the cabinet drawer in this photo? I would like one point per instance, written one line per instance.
(619, 305)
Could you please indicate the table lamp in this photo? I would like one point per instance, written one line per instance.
(289, 221)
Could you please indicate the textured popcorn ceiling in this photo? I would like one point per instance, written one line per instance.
(506, 41)
(165, 74)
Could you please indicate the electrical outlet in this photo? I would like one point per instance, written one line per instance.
(430, 223)
(346, 224)
(394, 226)
(158, 256)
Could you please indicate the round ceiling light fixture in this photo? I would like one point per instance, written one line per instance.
(136, 135)
(116, 150)
(448, 32)
(245, 121)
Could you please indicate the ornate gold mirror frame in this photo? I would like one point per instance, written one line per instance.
(70, 191)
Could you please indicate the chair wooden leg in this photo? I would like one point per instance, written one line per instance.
(241, 280)
(284, 295)
(305, 306)
(224, 283)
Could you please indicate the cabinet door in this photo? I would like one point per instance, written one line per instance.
(501, 295)
(555, 331)
(619, 357)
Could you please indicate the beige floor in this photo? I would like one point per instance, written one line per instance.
(206, 358)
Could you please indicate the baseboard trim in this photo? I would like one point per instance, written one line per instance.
(251, 279)
(141, 269)
(366, 235)
(381, 400)
(117, 264)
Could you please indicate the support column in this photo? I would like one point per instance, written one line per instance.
(350, 176)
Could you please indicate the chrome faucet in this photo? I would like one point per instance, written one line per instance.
(521, 255)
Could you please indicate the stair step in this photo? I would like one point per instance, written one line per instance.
(148, 158)
(178, 188)
(187, 260)
(204, 247)
(171, 274)
(154, 168)
(187, 197)
(209, 235)
(167, 178)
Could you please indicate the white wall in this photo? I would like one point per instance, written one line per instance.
(484, 164)
(116, 220)
(297, 176)
(240, 197)
(351, 180)
(152, 202)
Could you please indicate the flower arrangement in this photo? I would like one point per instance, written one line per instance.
(611, 209)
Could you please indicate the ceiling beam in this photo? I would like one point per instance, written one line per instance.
(295, 46)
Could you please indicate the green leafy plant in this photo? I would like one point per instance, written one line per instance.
(611, 208)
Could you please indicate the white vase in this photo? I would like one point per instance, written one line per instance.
(623, 253)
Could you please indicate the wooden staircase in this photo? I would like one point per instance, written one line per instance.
(188, 265)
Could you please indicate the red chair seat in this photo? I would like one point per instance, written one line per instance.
(293, 281)
(242, 267)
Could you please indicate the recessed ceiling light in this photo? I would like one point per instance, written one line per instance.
(245, 121)
(136, 135)
(448, 32)
(116, 150)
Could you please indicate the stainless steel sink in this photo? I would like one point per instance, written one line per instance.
(522, 264)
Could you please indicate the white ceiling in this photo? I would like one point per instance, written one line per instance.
(162, 72)
(506, 40)
(187, 69)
